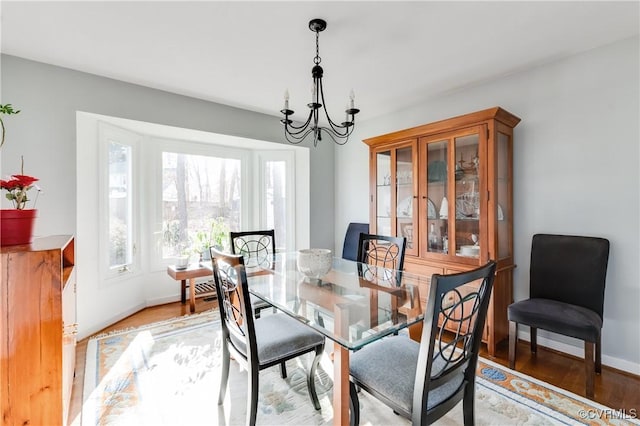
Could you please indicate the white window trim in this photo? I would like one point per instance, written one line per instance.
(107, 132)
(260, 215)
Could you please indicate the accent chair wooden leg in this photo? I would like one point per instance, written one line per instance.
(283, 369)
(534, 339)
(513, 343)
(589, 367)
(599, 355)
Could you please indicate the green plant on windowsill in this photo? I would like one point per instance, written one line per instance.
(217, 236)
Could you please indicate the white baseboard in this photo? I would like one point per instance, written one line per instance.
(107, 322)
(578, 351)
(163, 301)
(122, 315)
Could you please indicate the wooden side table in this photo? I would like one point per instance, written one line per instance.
(193, 271)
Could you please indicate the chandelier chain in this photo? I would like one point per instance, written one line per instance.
(317, 59)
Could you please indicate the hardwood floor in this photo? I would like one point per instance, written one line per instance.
(613, 388)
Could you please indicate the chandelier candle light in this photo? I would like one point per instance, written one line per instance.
(338, 132)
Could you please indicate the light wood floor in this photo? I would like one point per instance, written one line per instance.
(613, 388)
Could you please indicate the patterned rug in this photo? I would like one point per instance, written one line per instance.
(168, 373)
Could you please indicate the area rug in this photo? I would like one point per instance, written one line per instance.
(168, 373)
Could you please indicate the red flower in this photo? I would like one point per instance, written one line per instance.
(24, 180)
(9, 184)
(17, 188)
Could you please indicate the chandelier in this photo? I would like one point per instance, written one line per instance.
(338, 132)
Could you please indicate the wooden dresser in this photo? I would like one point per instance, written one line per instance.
(37, 331)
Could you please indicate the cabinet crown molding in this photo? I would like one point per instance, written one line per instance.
(495, 113)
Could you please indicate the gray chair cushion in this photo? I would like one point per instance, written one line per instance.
(389, 367)
(278, 336)
(558, 317)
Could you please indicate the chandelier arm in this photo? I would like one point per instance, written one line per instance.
(343, 138)
(335, 126)
(301, 128)
(295, 138)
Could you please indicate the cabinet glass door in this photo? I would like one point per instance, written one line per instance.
(437, 211)
(406, 206)
(383, 193)
(503, 213)
(467, 196)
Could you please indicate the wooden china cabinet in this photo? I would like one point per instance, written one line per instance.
(447, 187)
(37, 331)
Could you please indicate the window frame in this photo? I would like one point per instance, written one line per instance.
(106, 133)
(261, 157)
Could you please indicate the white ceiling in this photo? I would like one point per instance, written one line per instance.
(245, 54)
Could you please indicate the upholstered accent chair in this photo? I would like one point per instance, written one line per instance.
(566, 295)
(351, 238)
(257, 344)
(423, 380)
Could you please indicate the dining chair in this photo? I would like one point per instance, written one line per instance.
(351, 238)
(423, 380)
(567, 278)
(257, 344)
(382, 250)
(258, 248)
(385, 253)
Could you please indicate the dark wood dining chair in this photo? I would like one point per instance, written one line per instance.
(567, 278)
(424, 380)
(257, 344)
(258, 248)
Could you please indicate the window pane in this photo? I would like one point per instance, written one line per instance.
(275, 199)
(120, 206)
(200, 202)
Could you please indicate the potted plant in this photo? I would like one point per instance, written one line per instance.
(217, 236)
(16, 224)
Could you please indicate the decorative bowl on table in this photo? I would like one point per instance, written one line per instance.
(314, 263)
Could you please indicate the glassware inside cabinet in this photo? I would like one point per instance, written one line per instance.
(467, 202)
(437, 203)
(383, 193)
(405, 195)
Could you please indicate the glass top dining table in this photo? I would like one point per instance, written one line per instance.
(353, 304)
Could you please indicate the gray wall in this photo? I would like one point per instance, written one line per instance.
(576, 166)
(45, 133)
